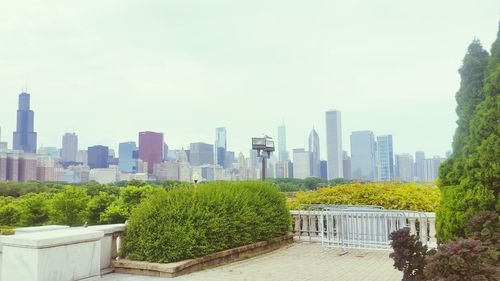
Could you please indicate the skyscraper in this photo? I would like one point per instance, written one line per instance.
(126, 161)
(69, 147)
(385, 158)
(151, 149)
(220, 146)
(201, 153)
(24, 136)
(404, 167)
(315, 154)
(282, 152)
(363, 158)
(98, 157)
(419, 165)
(334, 144)
(301, 163)
(347, 165)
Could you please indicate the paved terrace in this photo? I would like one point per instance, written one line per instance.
(299, 262)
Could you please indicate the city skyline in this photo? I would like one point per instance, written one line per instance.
(246, 77)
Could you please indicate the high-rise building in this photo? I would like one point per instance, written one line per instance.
(419, 165)
(69, 147)
(324, 170)
(282, 152)
(81, 157)
(346, 160)
(404, 167)
(301, 163)
(24, 136)
(3, 166)
(385, 158)
(431, 168)
(98, 157)
(126, 161)
(201, 153)
(315, 154)
(363, 157)
(151, 149)
(230, 159)
(334, 144)
(45, 170)
(3, 145)
(220, 146)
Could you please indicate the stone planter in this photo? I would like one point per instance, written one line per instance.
(191, 265)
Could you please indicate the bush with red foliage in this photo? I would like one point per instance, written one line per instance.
(409, 254)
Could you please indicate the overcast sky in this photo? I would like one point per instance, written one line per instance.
(109, 69)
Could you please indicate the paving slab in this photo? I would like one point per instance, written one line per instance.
(298, 262)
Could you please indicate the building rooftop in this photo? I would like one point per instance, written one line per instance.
(297, 262)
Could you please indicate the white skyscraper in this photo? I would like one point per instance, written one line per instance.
(282, 152)
(315, 154)
(334, 144)
(301, 163)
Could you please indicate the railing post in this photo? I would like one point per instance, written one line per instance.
(423, 230)
(413, 228)
(116, 245)
(314, 225)
(297, 224)
(432, 228)
(305, 225)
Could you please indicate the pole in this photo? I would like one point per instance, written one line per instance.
(263, 167)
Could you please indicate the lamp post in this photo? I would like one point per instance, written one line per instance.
(264, 147)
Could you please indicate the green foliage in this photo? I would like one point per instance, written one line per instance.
(470, 178)
(390, 195)
(294, 185)
(97, 205)
(69, 207)
(5, 230)
(35, 210)
(190, 221)
(10, 214)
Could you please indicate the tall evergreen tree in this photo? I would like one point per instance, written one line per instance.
(470, 179)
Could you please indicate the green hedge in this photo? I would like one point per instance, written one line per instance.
(190, 221)
(390, 195)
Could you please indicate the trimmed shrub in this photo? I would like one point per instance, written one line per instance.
(193, 221)
(390, 195)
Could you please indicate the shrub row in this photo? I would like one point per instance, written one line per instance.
(72, 206)
(191, 221)
(390, 195)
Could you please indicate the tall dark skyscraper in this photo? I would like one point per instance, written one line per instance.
(151, 146)
(24, 136)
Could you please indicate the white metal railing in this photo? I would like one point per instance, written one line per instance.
(365, 227)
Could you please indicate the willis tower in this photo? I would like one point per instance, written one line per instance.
(24, 136)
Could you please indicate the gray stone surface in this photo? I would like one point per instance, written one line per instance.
(301, 261)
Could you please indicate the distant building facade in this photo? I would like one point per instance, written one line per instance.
(69, 147)
(98, 157)
(334, 144)
(220, 146)
(25, 136)
(314, 149)
(151, 149)
(201, 154)
(301, 163)
(404, 167)
(283, 155)
(126, 161)
(385, 158)
(363, 157)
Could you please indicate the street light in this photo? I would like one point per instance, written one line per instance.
(264, 147)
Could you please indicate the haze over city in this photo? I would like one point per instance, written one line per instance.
(107, 70)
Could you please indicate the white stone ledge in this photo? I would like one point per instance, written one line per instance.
(32, 229)
(48, 239)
